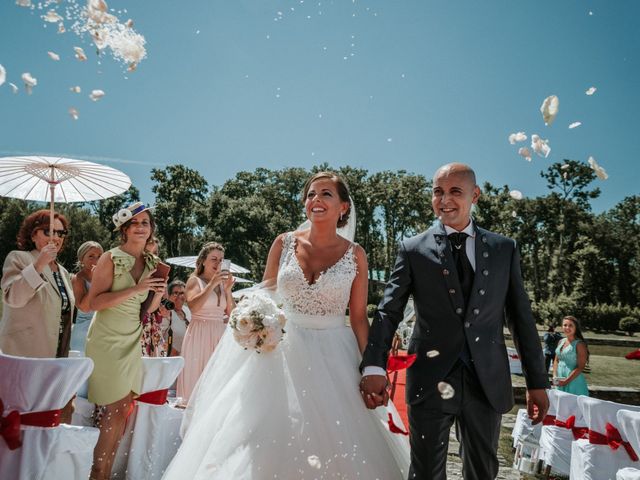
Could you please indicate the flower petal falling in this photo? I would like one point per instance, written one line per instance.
(600, 172)
(525, 153)
(516, 194)
(591, 90)
(517, 137)
(29, 82)
(96, 95)
(74, 113)
(575, 125)
(80, 55)
(549, 109)
(540, 146)
(52, 17)
(3, 75)
(446, 390)
(54, 56)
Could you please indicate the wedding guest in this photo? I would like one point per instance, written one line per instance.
(572, 355)
(208, 295)
(36, 291)
(121, 283)
(88, 255)
(179, 318)
(550, 342)
(150, 320)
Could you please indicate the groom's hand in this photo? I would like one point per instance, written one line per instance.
(537, 405)
(373, 389)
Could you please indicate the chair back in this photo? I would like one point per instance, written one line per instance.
(567, 406)
(160, 372)
(597, 413)
(41, 384)
(629, 426)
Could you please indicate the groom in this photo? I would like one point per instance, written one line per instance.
(466, 284)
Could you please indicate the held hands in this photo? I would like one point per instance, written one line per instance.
(46, 256)
(374, 391)
(537, 404)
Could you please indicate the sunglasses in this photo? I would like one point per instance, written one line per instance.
(58, 233)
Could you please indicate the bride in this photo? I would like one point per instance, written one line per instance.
(296, 412)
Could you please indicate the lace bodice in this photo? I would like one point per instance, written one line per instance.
(329, 295)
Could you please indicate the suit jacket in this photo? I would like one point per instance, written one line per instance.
(426, 270)
(32, 305)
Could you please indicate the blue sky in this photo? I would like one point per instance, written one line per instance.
(379, 84)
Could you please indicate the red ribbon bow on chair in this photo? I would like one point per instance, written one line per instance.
(569, 423)
(10, 428)
(613, 439)
(157, 397)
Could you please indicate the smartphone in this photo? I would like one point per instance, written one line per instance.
(162, 271)
(225, 265)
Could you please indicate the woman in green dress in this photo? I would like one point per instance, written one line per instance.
(121, 282)
(572, 355)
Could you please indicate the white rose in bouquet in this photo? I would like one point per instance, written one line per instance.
(257, 323)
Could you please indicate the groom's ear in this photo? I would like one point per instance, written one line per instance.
(476, 194)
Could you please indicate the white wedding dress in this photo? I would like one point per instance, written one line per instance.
(294, 413)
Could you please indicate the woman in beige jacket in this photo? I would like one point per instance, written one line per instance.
(37, 295)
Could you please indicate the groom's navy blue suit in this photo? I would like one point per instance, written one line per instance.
(425, 269)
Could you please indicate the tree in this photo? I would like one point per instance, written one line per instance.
(180, 191)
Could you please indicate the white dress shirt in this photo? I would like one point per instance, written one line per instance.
(470, 248)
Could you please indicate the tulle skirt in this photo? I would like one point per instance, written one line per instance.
(294, 413)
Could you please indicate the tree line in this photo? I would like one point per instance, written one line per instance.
(573, 260)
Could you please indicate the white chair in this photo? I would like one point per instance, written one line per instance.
(594, 458)
(156, 429)
(515, 366)
(31, 385)
(557, 436)
(629, 422)
(523, 427)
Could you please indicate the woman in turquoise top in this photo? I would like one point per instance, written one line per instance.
(572, 355)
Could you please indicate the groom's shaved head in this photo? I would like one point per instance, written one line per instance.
(455, 168)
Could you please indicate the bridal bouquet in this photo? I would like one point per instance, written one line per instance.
(257, 323)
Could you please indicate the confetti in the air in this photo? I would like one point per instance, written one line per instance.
(14, 87)
(517, 137)
(591, 91)
(52, 17)
(565, 166)
(23, 3)
(76, 89)
(514, 214)
(314, 461)
(96, 95)
(600, 172)
(80, 55)
(3, 75)
(74, 113)
(540, 146)
(575, 125)
(61, 28)
(516, 194)
(549, 109)
(433, 353)
(446, 390)
(29, 82)
(525, 153)
(54, 56)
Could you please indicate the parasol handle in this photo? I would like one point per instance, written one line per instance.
(52, 187)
